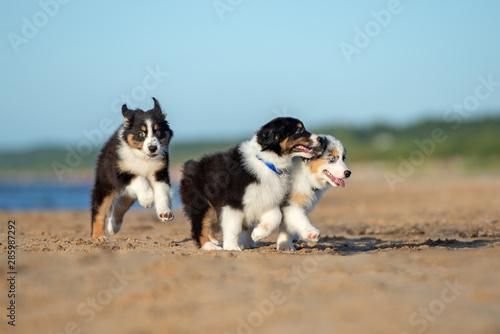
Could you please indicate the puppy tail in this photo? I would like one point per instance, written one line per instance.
(195, 204)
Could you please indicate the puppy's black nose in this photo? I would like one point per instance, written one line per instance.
(347, 173)
(152, 148)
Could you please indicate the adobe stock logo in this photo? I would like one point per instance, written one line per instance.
(428, 313)
(89, 309)
(371, 30)
(223, 6)
(426, 147)
(31, 27)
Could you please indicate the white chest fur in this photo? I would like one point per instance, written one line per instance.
(271, 189)
(137, 163)
(264, 196)
(303, 193)
(145, 185)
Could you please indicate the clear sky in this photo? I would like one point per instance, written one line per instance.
(223, 68)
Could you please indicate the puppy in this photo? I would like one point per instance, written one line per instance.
(310, 179)
(233, 190)
(133, 165)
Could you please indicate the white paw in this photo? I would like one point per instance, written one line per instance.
(232, 248)
(311, 234)
(147, 201)
(166, 216)
(102, 239)
(111, 227)
(285, 246)
(215, 242)
(259, 233)
(210, 246)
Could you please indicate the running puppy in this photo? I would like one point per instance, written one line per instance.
(133, 165)
(310, 179)
(245, 185)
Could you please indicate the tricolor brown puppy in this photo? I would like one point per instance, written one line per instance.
(243, 188)
(133, 165)
(310, 179)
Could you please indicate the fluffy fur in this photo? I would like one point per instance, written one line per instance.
(310, 179)
(244, 186)
(133, 165)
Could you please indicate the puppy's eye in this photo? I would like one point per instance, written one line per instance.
(158, 133)
(142, 134)
(299, 130)
(333, 159)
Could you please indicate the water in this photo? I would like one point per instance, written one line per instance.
(52, 196)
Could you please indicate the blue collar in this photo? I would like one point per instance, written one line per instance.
(271, 166)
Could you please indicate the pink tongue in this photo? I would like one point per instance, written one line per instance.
(340, 183)
(300, 148)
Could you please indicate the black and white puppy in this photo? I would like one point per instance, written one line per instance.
(244, 186)
(133, 165)
(310, 179)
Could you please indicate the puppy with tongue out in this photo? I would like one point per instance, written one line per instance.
(311, 177)
(239, 192)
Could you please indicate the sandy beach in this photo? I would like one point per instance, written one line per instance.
(423, 258)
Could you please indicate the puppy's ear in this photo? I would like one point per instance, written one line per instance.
(323, 143)
(157, 104)
(157, 110)
(268, 139)
(128, 115)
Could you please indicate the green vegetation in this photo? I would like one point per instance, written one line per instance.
(476, 142)
(476, 139)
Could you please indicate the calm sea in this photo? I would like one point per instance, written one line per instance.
(51, 196)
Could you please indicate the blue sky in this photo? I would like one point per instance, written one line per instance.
(223, 68)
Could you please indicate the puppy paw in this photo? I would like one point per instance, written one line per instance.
(232, 248)
(147, 202)
(311, 235)
(215, 241)
(210, 246)
(260, 233)
(285, 246)
(166, 216)
(101, 239)
(112, 227)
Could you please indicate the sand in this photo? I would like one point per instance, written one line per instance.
(421, 259)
